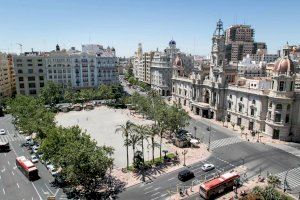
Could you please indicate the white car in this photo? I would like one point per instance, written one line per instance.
(2, 132)
(34, 159)
(207, 167)
(35, 149)
(52, 169)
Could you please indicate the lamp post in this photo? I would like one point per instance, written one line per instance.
(195, 130)
(184, 153)
(209, 137)
(235, 189)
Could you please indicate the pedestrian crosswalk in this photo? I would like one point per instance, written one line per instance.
(292, 178)
(224, 142)
(11, 137)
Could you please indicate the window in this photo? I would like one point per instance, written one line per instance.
(269, 114)
(41, 84)
(252, 112)
(281, 85)
(292, 84)
(278, 106)
(41, 78)
(229, 105)
(31, 78)
(21, 78)
(20, 71)
(30, 71)
(288, 107)
(287, 118)
(29, 60)
(241, 99)
(21, 85)
(253, 101)
(277, 117)
(40, 64)
(230, 96)
(270, 104)
(31, 85)
(239, 121)
(240, 108)
(32, 91)
(41, 71)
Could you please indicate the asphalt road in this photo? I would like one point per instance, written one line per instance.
(228, 151)
(13, 184)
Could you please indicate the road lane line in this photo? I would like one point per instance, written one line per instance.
(36, 191)
(56, 192)
(49, 189)
(152, 190)
(155, 198)
(13, 173)
(8, 162)
(155, 194)
(3, 191)
(163, 195)
(12, 147)
(148, 187)
(171, 179)
(3, 170)
(18, 185)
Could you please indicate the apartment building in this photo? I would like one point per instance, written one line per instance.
(7, 76)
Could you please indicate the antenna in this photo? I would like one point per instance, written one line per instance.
(20, 45)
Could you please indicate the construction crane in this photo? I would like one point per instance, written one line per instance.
(20, 45)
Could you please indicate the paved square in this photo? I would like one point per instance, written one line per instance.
(101, 124)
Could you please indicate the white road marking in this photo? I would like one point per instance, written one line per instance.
(36, 191)
(152, 190)
(8, 162)
(171, 178)
(5, 154)
(18, 185)
(3, 191)
(163, 195)
(155, 198)
(155, 194)
(148, 187)
(13, 173)
(56, 192)
(3, 170)
(49, 189)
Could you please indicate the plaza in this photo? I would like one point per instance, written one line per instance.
(101, 124)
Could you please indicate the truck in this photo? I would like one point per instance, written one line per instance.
(4, 146)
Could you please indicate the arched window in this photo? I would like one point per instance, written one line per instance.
(230, 96)
(20, 71)
(241, 99)
(281, 85)
(278, 106)
(292, 84)
(253, 101)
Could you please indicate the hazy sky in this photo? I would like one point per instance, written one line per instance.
(41, 24)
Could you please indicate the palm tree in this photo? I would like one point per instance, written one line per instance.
(143, 132)
(133, 140)
(233, 125)
(152, 134)
(125, 130)
(242, 129)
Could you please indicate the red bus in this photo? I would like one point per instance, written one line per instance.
(27, 168)
(218, 185)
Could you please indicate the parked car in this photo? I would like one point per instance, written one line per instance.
(52, 170)
(34, 158)
(35, 148)
(185, 175)
(207, 167)
(2, 132)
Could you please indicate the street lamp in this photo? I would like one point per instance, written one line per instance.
(195, 130)
(184, 153)
(209, 137)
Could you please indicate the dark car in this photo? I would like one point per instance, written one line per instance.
(185, 175)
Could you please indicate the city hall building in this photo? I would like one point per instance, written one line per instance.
(270, 105)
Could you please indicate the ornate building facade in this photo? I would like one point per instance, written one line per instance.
(270, 105)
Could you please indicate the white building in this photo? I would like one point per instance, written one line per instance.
(270, 105)
(249, 68)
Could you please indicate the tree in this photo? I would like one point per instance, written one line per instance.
(133, 139)
(78, 156)
(233, 125)
(223, 121)
(177, 118)
(51, 93)
(242, 129)
(152, 134)
(143, 131)
(105, 92)
(274, 181)
(125, 130)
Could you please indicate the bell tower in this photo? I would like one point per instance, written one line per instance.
(218, 55)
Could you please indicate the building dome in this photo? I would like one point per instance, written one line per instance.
(284, 65)
(172, 42)
(113, 49)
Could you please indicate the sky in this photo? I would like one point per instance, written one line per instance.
(41, 24)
